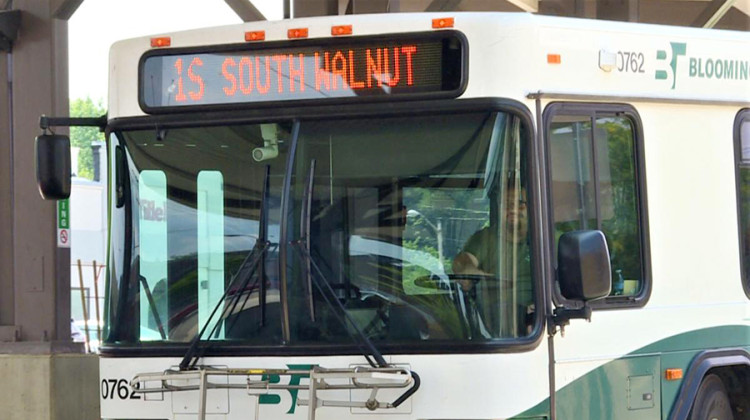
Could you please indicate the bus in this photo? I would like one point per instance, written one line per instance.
(425, 216)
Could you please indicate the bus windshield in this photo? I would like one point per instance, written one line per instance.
(417, 225)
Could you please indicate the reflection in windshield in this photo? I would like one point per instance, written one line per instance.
(399, 207)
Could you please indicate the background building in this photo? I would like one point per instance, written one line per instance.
(88, 223)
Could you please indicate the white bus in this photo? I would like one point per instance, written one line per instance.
(412, 216)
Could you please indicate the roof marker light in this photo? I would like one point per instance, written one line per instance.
(255, 36)
(162, 41)
(297, 33)
(441, 23)
(554, 59)
(607, 60)
(341, 30)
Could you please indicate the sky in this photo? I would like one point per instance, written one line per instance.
(97, 24)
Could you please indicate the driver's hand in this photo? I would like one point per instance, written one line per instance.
(467, 263)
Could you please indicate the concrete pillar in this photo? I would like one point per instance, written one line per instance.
(45, 375)
(49, 387)
(35, 277)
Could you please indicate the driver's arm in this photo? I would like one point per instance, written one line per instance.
(467, 261)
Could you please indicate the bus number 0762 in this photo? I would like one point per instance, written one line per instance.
(114, 388)
(630, 62)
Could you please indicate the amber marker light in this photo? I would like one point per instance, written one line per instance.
(441, 23)
(297, 33)
(255, 36)
(554, 59)
(162, 41)
(341, 30)
(673, 374)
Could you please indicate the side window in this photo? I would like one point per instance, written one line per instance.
(593, 167)
(742, 134)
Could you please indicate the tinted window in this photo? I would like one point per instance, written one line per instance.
(593, 168)
(415, 228)
(743, 194)
(420, 226)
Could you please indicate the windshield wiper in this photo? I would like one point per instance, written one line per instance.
(152, 306)
(263, 237)
(303, 246)
(369, 351)
(304, 230)
(246, 271)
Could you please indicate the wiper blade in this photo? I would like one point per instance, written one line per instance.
(248, 265)
(262, 237)
(246, 271)
(305, 237)
(369, 351)
(152, 306)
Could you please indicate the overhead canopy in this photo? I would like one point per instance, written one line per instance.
(723, 14)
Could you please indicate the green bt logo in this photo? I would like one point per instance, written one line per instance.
(678, 49)
(274, 399)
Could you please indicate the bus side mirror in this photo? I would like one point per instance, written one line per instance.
(53, 166)
(583, 267)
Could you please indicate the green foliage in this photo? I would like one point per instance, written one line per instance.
(411, 272)
(82, 137)
(617, 196)
(452, 208)
(745, 214)
(623, 229)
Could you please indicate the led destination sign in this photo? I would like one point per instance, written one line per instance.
(349, 68)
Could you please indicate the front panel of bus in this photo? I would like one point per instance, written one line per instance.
(323, 205)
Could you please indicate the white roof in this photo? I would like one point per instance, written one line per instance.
(508, 55)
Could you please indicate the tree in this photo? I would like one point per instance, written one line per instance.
(82, 137)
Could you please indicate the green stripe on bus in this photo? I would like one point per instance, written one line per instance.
(603, 393)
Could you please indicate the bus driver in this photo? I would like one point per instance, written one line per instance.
(480, 253)
(487, 269)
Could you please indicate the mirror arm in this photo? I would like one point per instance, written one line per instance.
(561, 317)
(46, 122)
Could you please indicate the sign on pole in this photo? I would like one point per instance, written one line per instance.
(63, 223)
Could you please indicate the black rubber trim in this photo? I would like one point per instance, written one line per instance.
(517, 108)
(702, 363)
(742, 117)
(435, 347)
(594, 109)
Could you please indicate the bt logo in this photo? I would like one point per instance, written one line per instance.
(678, 49)
(274, 399)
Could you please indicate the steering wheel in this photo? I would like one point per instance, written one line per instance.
(450, 281)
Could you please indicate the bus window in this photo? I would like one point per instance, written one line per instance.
(396, 203)
(200, 194)
(593, 167)
(743, 194)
